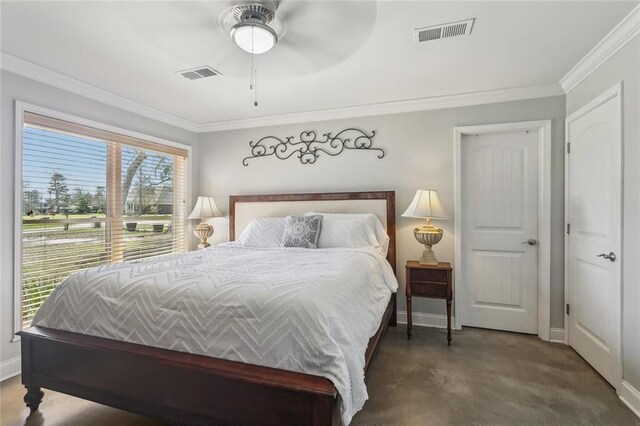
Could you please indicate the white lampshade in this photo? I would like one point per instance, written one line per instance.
(426, 205)
(254, 37)
(205, 208)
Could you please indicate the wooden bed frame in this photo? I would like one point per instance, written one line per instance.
(183, 388)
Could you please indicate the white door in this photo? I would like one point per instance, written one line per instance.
(594, 188)
(500, 230)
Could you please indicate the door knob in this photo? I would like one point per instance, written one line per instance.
(611, 256)
(530, 241)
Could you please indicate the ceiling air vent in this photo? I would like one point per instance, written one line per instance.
(199, 72)
(437, 32)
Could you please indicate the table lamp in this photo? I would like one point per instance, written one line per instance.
(426, 205)
(204, 209)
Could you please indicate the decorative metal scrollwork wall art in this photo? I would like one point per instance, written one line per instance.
(309, 148)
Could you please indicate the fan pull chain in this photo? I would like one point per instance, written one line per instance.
(255, 87)
(253, 79)
(251, 74)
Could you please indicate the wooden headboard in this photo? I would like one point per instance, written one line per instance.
(243, 208)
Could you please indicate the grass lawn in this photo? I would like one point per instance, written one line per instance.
(30, 222)
(27, 226)
(50, 253)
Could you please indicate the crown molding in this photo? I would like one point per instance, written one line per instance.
(617, 38)
(413, 105)
(36, 72)
(49, 77)
(622, 34)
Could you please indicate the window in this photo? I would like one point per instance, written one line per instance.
(92, 197)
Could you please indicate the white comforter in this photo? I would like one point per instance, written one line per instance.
(311, 311)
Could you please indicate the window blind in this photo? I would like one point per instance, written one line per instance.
(93, 197)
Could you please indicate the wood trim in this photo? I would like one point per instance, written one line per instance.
(72, 128)
(393, 107)
(114, 203)
(613, 94)
(10, 368)
(427, 320)
(179, 220)
(616, 39)
(543, 127)
(556, 335)
(52, 78)
(22, 108)
(388, 196)
(630, 396)
(17, 220)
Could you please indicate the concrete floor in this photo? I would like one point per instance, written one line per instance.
(484, 378)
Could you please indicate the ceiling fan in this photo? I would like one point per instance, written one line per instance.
(254, 26)
(320, 34)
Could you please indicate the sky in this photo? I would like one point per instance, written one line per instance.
(82, 161)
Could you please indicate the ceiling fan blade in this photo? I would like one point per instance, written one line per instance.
(299, 59)
(169, 15)
(188, 32)
(318, 35)
(290, 10)
(315, 47)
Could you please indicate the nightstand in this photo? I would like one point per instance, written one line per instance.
(435, 281)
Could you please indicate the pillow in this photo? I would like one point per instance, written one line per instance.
(302, 231)
(263, 232)
(352, 230)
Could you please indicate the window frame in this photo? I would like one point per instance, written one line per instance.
(20, 109)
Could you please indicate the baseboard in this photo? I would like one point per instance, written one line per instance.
(556, 335)
(9, 368)
(426, 320)
(631, 397)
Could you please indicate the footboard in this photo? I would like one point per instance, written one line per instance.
(177, 387)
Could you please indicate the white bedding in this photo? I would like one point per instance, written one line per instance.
(311, 311)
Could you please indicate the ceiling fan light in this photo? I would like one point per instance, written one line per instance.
(253, 37)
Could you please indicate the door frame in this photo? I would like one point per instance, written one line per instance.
(543, 127)
(614, 92)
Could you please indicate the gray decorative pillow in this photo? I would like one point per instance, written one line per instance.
(302, 231)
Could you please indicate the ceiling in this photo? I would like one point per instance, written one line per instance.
(333, 55)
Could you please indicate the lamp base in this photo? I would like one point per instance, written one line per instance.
(428, 257)
(428, 235)
(203, 231)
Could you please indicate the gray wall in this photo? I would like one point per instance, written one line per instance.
(419, 153)
(12, 88)
(624, 66)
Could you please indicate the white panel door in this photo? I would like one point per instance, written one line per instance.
(500, 231)
(594, 214)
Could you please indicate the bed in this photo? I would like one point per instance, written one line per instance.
(190, 388)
